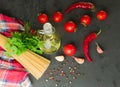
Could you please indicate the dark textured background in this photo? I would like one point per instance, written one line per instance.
(105, 70)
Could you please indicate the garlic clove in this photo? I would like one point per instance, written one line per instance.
(99, 49)
(79, 60)
(60, 58)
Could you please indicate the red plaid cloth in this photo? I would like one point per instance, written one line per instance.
(12, 73)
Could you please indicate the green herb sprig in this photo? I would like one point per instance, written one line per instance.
(21, 41)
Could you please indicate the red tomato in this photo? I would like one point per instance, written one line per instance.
(101, 15)
(85, 20)
(69, 49)
(70, 26)
(43, 18)
(57, 17)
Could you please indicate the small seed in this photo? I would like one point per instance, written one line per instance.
(46, 80)
(74, 77)
(69, 67)
(52, 78)
(70, 82)
(78, 74)
(64, 64)
(56, 84)
(75, 67)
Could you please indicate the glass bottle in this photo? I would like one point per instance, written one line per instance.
(50, 39)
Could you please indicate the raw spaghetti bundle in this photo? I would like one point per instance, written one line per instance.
(33, 62)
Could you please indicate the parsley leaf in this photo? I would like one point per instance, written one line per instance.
(21, 41)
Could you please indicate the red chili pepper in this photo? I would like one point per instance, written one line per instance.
(84, 5)
(88, 39)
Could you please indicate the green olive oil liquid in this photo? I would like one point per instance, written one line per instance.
(50, 39)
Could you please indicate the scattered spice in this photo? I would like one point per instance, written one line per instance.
(67, 73)
(56, 84)
(67, 61)
(46, 80)
(69, 67)
(62, 73)
(64, 64)
(75, 67)
(78, 74)
(47, 74)
(52, 78)
(67, 77)
(74, 77)
(70, 82)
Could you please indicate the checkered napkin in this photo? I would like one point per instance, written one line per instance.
(12, 73)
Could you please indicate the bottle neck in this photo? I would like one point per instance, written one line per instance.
(48, 29)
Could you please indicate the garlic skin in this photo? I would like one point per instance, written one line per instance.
(60, 58)
(99, 49)
(79, 60)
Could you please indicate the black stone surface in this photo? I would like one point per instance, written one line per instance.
(105, 69)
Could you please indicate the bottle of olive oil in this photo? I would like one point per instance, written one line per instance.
(50, 39)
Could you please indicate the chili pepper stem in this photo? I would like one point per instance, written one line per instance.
(99, 32)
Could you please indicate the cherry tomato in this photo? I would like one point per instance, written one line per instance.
(69, 49)
(101, 15)
(43, 18)
(57, 17)
(85, 20)
(70, 26)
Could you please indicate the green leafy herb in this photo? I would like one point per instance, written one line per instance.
(21, 41)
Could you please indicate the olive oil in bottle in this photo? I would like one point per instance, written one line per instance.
(50, 39)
